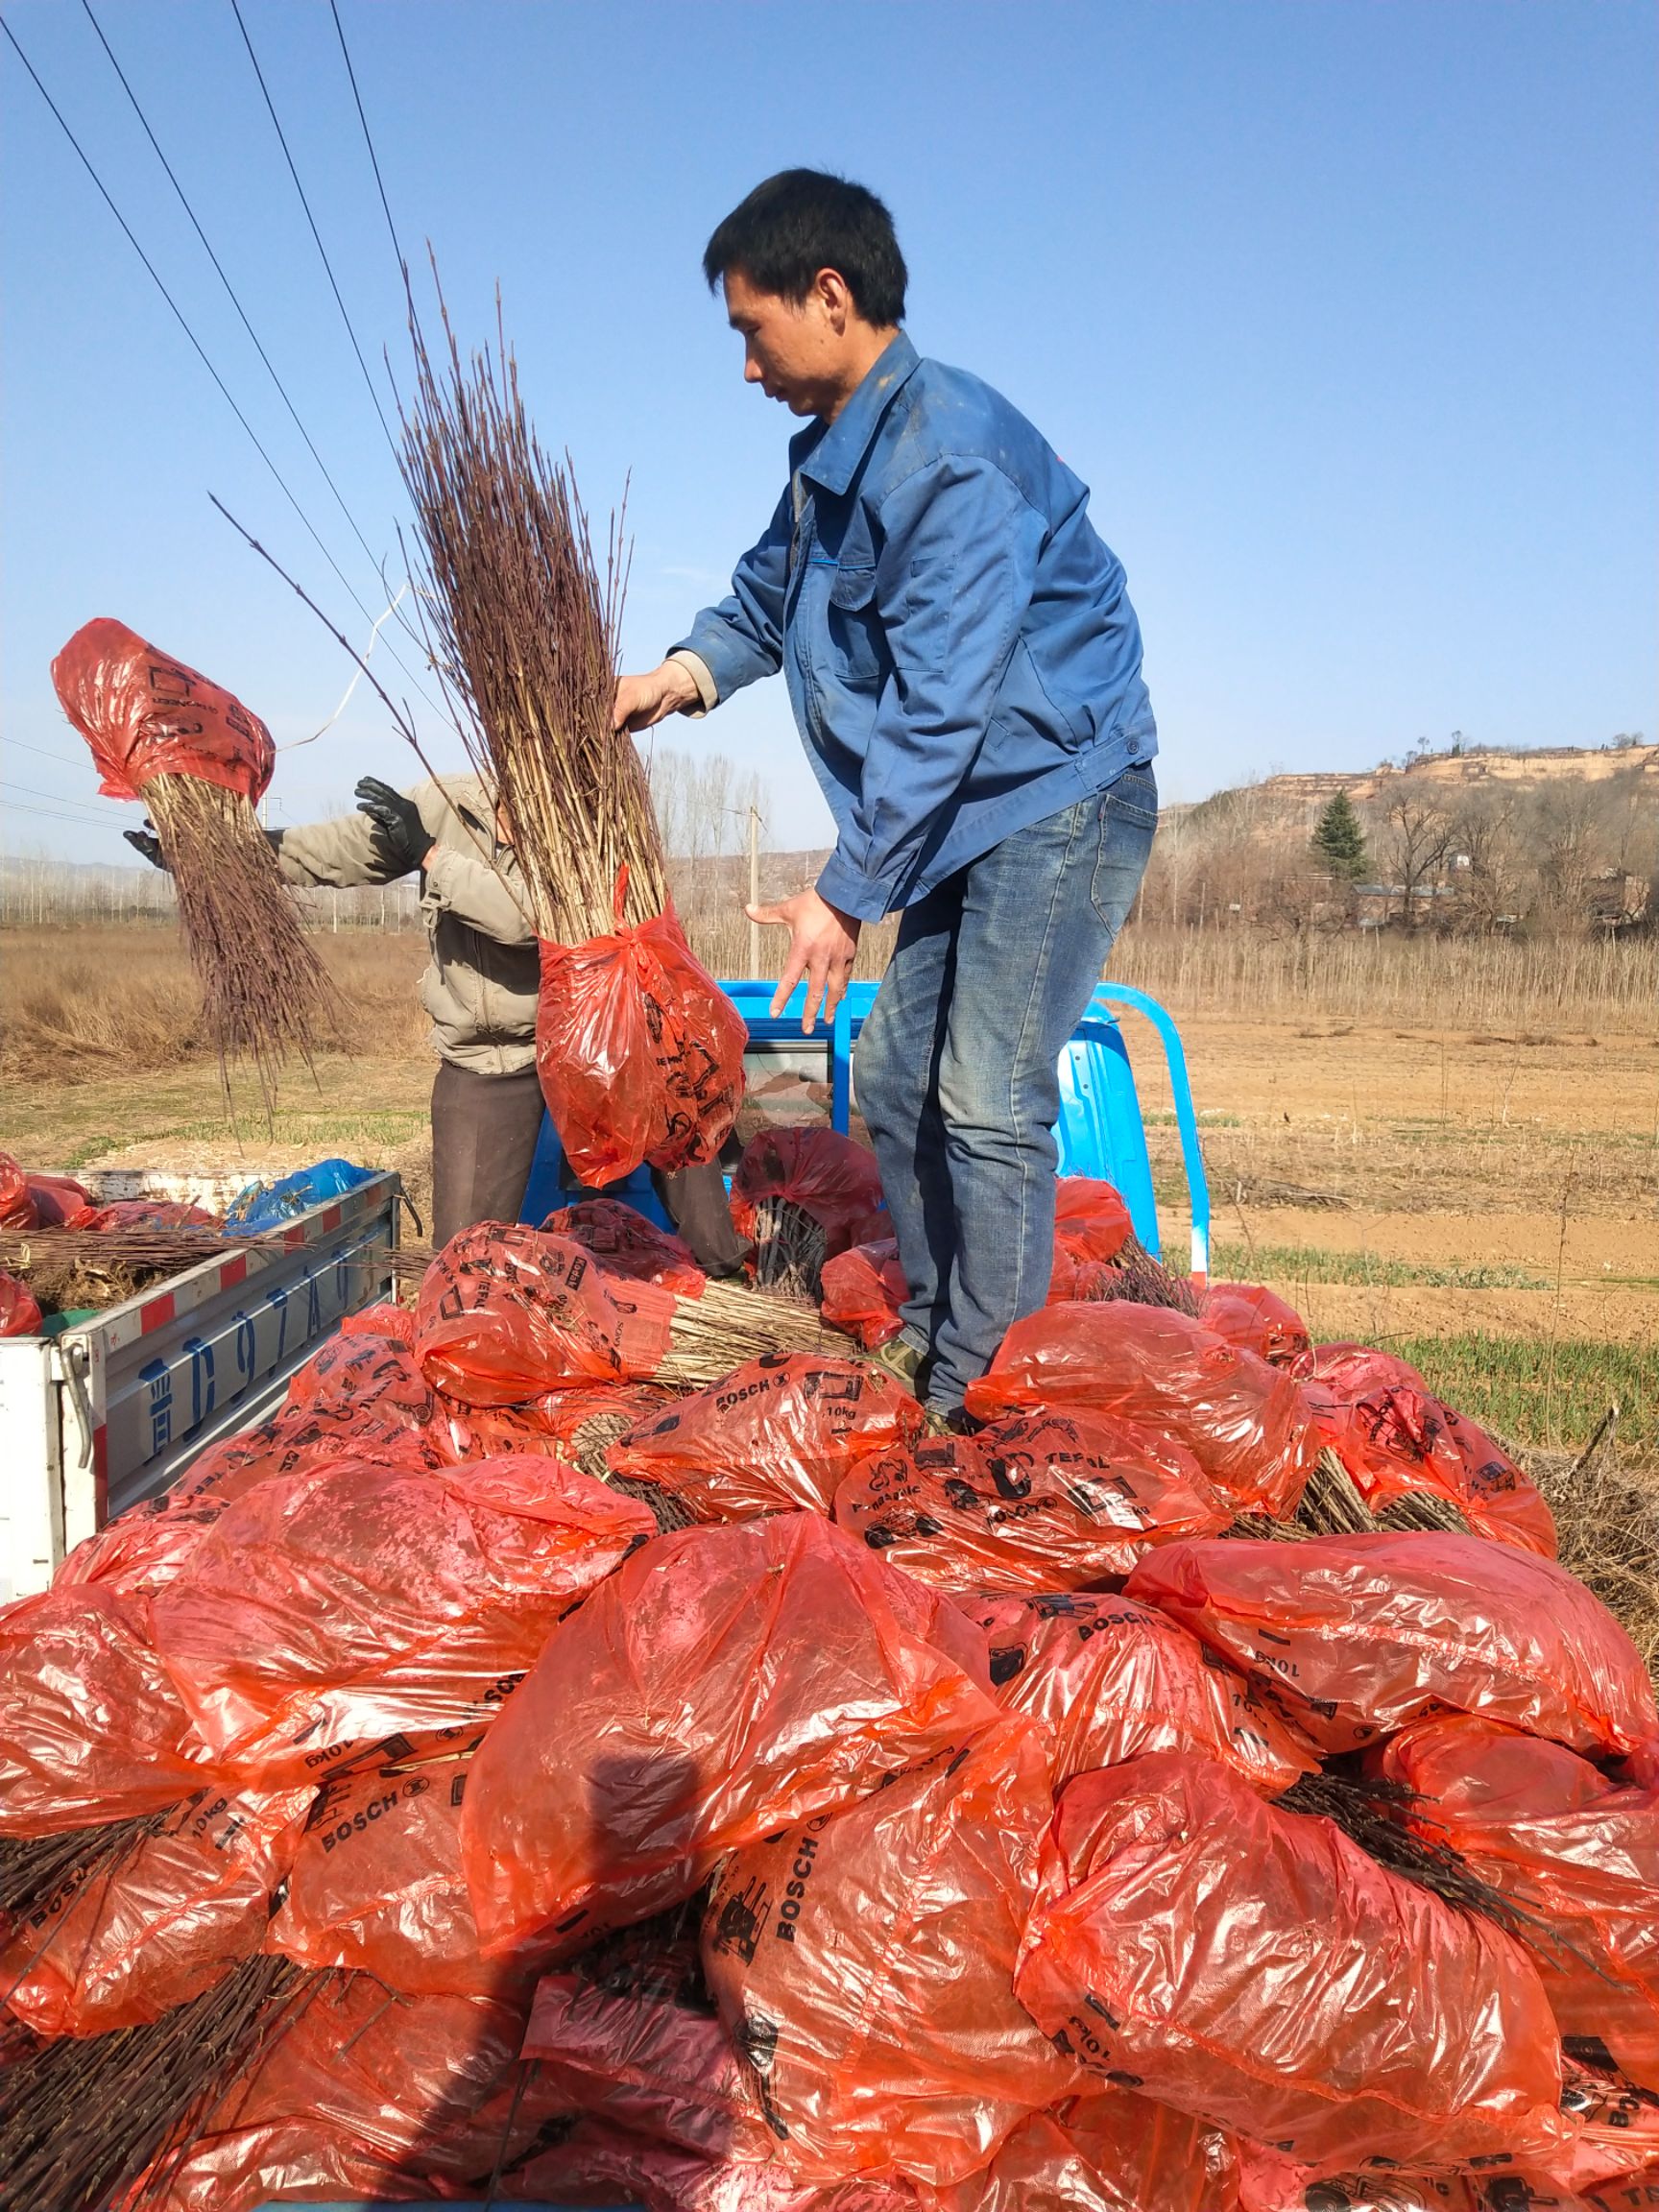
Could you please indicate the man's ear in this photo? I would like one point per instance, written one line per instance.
(835, 297)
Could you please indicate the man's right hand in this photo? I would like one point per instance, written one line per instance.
(147, 842)
(642, 700)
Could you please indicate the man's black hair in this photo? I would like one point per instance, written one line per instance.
(804, 220)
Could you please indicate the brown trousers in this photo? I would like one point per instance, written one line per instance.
(484, 1133)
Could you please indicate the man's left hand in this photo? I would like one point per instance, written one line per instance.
(399, 829)
(822, 943)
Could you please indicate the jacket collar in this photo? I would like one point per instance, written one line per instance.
(832, 457)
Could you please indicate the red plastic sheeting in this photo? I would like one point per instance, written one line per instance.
(377, 1882)
(1034, 1502)
(624, 1243)
(20, 1314)
(1109, 1680)
(142, 1213)
(826, 1175)
(1256, 1968)
(1395, 1437)
(863, 1290)
(1259, 1320)
(17, 1209)
(553, 1423)
(338, 1605)
(368, 2094)
(144, 714)
(1358, 1634)
(91, 1728)
(57, 1198)
(726, 1682)
(863, 1964)
(1550, 1830)
(162, 1925)
(1107, 2150)
(639, 1051)
(649, 2061)
(507, 1313)
(778, 1434)
(1243, 1421)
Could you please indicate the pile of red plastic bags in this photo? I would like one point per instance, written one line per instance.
(788, 1809)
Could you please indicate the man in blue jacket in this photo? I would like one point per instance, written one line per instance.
(965, 669)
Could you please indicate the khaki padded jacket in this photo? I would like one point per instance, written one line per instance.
(480, 989)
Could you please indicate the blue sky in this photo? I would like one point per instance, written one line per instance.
(1344, 309)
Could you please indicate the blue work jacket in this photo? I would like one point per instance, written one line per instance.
(960, 650)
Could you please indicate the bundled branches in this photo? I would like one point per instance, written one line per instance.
(265, 993)
(522, 628)
(790, 1249)
(37, 1872)
(81, 2118)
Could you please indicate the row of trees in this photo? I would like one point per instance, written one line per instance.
(1566, 856)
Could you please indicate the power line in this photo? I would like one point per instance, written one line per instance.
(65, 759)
(229, 288)
(339, 297)
(386, 205)
(58, 798)
(180, 317)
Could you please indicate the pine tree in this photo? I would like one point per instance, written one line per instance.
(1339, 841)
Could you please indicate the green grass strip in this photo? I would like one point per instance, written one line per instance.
(1315, 1263)
(1539, 1394)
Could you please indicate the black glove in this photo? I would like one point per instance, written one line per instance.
(147, 842)
(399, 829)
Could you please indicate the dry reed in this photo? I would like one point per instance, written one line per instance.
(522, 629)
(265, 993)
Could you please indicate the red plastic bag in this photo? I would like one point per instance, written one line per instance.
(1091, 1219)
(647, 2060)
(573, 1424)
(624, 1243)
(345, 1602)
(142, 1213)
(1357, 1635)
(1036, 1501)
(57, 1198)
(1106, 2150)
(828, 1175)
(1394, 1437)
(20, 1314)
(781, 1432)
(91, 1728)
(863, 1964)
(364, 2094)
(1109, 1680)
(863, 1290)
(144, 714)
(600, 2164)
(385, 1319)
(1243, 1422)
(1256, 1968)
(17, 1209)
(144, 1548)
(507, 1313)
(1260, 1321)
(1550, 1830)
(377, 1882)
(639, 1051)
(726, 1682)
(128, 1943)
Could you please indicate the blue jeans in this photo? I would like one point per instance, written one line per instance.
(956, 1068)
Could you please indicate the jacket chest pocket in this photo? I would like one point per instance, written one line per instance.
(858, 644)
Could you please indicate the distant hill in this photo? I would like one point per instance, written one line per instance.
(1443, 777)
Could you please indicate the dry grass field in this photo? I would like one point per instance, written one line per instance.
(1449, 1149)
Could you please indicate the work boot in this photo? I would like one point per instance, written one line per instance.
(950, 1421)
(904, 1362)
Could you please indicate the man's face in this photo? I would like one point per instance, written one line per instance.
(795, 352)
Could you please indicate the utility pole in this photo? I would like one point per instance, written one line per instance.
(753, 886)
